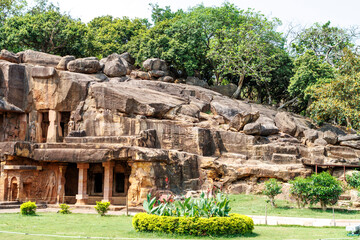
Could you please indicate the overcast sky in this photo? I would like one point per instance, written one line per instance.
(341, 13)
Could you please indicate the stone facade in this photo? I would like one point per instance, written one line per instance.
(87, 134)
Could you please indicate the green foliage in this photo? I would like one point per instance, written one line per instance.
(308, 70)
(272, 188)
(10, 8)
(325, 41)
(325, 189)
(102, 207)
(48, 31)
(205, 206)
(107, 35)
(234, 224)
(338, 100)
(64, 209)
(28, 208)
(301, 190)
(353, 180)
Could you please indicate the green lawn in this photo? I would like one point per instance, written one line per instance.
(255, 205)
(90, 225)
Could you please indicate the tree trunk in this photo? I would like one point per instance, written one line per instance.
(323, 206)
(238, 89)
(272, 202)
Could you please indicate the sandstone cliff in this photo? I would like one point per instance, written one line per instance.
(67, 110)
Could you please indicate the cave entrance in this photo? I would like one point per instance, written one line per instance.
(96, 179)
(44, 117)
(121, 179)
(72, 179)
(14, 189)
(64, 123)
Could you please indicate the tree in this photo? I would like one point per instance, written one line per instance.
(337, 99)
(10, 8)
(308, 70)
(250, 50)
(107, 35)
(48, 31)
(159, 14)
(272, 188)
(325, 41)
(325, 189)
(301, 190)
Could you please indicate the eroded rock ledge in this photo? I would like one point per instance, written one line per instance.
(59, 111)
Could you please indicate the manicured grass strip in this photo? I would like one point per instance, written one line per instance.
(255, 205)
(90, 225)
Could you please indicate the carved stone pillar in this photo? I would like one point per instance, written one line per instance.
(53, 130)
(108, 180)
(61, 185)
(38, 128)
(82, 185)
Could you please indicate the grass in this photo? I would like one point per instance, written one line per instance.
(255, 205)
(90, 225)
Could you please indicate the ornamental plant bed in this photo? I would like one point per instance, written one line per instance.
(207, 215)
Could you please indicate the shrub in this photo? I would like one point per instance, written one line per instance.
(353, 180)
(272, 188)
(301, 190)
(234, 224)
(206, 206)
(102, 207)
(28, 208)
(64, 209)
(325, 189)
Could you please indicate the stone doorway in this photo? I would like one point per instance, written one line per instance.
(96, 179)
(44, 126)
(64, 123)
(14, 190)
(71, 182)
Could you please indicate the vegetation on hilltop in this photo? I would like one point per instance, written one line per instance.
(317, 75)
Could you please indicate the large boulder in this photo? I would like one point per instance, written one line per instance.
(140, 75)
(330, 137)
(84, 65)
(155, 64)
(40, 58)
(9, 56)
(285, 123)
(128, 58)
(241, 119)
(227, 90)
(114, 66)
(311, 135)
(196, 82)
(352, 144)
(42, 72)
(64, 62)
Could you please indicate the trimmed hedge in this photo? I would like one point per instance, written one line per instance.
(235, 224)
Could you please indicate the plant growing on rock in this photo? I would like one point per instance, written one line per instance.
(301, 190)
(353, 180)
(272, 188)
(325, 189)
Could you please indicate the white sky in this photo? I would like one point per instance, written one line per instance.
(343, 13)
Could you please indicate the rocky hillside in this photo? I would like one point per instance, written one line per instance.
(195, 136)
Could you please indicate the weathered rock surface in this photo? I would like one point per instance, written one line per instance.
(84, 65)
(155, 64)
(40, 58)
(64, 62)
(148, 129)
(9, 56)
